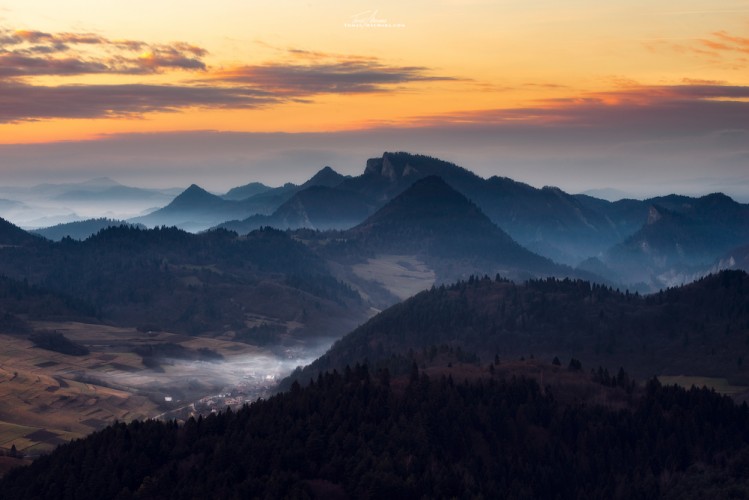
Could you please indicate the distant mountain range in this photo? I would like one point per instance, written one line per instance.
(436, 223)
(246, 191)
(179, 280)
(682, 237)
(737, 258)
(195, 209)
(48, 204)
(644, 245)
(316, 207)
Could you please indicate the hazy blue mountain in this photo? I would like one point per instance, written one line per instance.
(89, 190)
(10, 204)
(682, 239)
(79, 230)
(316, 207)
(196, 197)
(46, 205)
(736, 258)
(626, 216)
(436, 223)
(267, 202)
(566, 228)
(246, 191)
(549, 221)
(387, 176)
(322, 207)
(552, 222)
(326, 177)
(609, 194)
(54, 189)
(116, 193)
(194, 209)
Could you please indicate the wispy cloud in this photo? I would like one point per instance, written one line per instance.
(294, 75)
(719, 47)
(336, 77)
(721, 40)
(30, 53)
(658, 109)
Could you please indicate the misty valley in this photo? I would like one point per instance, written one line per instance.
(370, 336)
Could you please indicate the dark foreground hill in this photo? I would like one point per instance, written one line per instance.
(12, 235)
(699, 329)
(354, 435)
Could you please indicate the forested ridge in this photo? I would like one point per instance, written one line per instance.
(361, 435)
(19, 300)
(701, 328)
(185, 282)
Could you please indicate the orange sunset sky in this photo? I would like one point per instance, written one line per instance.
(642, 96)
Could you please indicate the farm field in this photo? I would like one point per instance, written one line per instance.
(47, 398)
(401, 275)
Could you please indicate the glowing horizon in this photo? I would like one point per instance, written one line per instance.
(72, 74)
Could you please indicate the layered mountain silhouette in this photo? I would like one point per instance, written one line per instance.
(549, 221)
(48, 204)
(195, 209)
(112, 193)
(416, 401)
(325, 177)
(737, 258)
(246, 191)
(622, 241)
(269, 201)
(569, 229)
(315, 207)
(436, 223)
(433, 217)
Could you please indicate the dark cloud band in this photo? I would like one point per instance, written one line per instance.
(33, 102)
